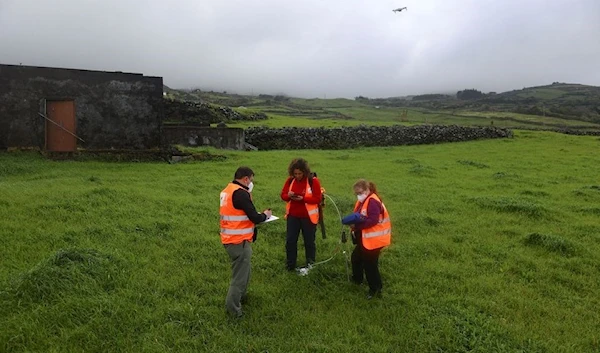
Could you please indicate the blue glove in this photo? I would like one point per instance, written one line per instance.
(352, 218)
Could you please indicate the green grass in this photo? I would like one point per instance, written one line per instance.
(332, 113)
(515, 119)
(327, 103)
(542, 93)
(558, 99)
(570, 105)
(496, 248)
(390, 116)
(280, 121)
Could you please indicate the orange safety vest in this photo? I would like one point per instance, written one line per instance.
(380, 234)
(313, 210)
(235, 224)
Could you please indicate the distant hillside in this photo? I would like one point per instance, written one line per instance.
(559, 104)
(189, 107)
(219, 98)
(559, 100)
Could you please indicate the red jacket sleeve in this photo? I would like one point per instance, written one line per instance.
(286, 188)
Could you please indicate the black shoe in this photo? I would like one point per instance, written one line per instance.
(237, 315)
(290, 268)
(374, 294)
(244, 299)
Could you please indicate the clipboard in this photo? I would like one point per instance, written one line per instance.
(271, 219)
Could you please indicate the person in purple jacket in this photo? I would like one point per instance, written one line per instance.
(365, 262)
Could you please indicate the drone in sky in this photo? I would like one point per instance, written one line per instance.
(400, 9)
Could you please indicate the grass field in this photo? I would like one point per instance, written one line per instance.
(335, 112)
(542, 93)
(496, 248)
(332, 113)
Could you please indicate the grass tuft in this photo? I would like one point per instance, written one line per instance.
(422, 170)
(406, 161)
(534, 193)
(511, 205)
(473, 164)
(551, 243)
(68, 272)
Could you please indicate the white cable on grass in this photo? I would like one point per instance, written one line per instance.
(333, 202)
(303, 271)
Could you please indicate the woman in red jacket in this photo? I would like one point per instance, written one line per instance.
(303, 195)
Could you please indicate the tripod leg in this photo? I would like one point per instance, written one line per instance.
(322, 223)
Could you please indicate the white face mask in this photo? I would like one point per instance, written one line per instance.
(250, 186)
(361, 197)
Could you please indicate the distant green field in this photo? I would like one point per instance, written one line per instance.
(310, 116)
(327, 103)
(496, 248)
(279, 121)
(542, 93)
(570, 105)
(515, 119)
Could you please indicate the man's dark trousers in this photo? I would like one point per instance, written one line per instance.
(240, 255)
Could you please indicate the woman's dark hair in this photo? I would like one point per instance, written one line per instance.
(299, 163)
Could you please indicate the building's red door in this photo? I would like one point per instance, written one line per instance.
(62, 113)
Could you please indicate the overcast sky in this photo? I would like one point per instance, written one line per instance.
(313, 48)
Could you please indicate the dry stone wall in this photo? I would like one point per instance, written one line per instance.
(203, 114)
(366, 136)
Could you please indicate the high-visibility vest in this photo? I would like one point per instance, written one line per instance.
(313, 210)
(380, 234)
(235, 224)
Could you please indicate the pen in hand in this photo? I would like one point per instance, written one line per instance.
(268, 213)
